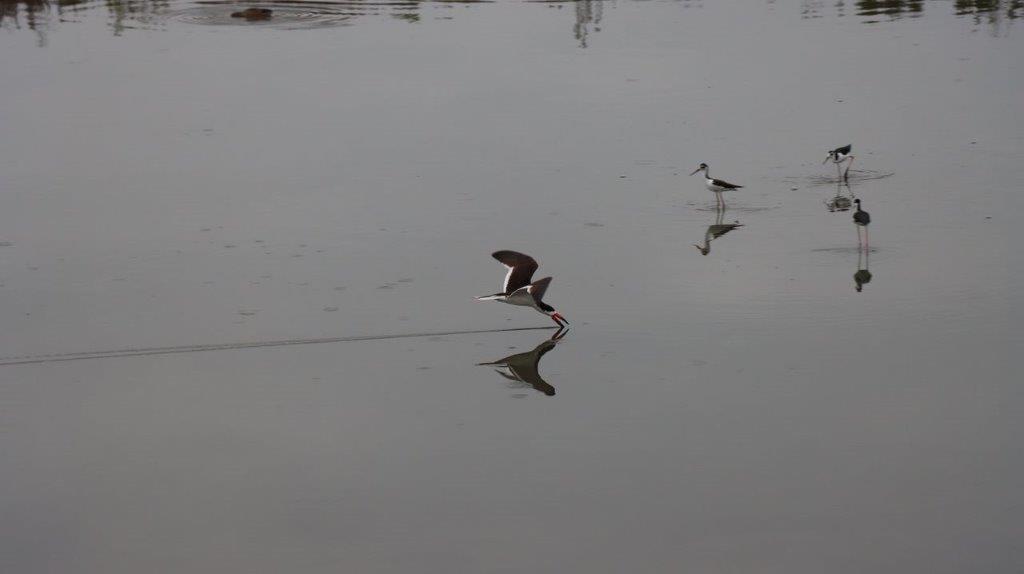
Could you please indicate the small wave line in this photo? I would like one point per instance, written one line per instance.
(150, 351)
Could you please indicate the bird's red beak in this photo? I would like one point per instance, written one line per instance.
(559, 318)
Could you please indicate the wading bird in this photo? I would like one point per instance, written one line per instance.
(518, 290)
(715, 185)
(838, 156)
(861, 218)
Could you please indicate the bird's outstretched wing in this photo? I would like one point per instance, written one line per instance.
(538, 288)
(520, 269)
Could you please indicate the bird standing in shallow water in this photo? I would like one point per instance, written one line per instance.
(861, 218)
(838, 156)
(518, 290)
(715, 185)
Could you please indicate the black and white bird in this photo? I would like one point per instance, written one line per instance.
(518, 290)
(861, 218)
(715, 185)
(838, 156)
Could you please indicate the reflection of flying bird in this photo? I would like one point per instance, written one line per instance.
(715, 185)
(861, 218)
(522, 367)
(715, 231)
(838, 156)
(518, 290)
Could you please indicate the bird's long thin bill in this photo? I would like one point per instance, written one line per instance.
(695, 171)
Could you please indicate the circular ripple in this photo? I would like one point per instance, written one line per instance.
(288, 15)
(829, 179)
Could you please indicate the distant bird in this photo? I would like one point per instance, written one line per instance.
(523, 367)
(861, 218)
(838, 156)
(715, 231)
(715, 185)
(518, 290)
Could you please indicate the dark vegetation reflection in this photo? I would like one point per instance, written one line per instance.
(40, 15)
(588, 15)
(872, 11)
(522, 368)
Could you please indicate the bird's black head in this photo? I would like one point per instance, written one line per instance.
(700, 168)
(857, 201)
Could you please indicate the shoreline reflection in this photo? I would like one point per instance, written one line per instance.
(40, 16)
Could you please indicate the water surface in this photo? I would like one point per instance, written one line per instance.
(171, 176)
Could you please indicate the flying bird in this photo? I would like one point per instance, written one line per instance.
(518, 290)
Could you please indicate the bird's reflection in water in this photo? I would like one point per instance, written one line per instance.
(863, 274)
(841, 202)
(522, 368)
(716, 230)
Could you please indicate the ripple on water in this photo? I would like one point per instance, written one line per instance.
(712, 208)
(295, 14)
(854, 176)
(284, 14)
(845, 250)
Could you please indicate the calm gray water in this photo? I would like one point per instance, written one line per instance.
(171, 176)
